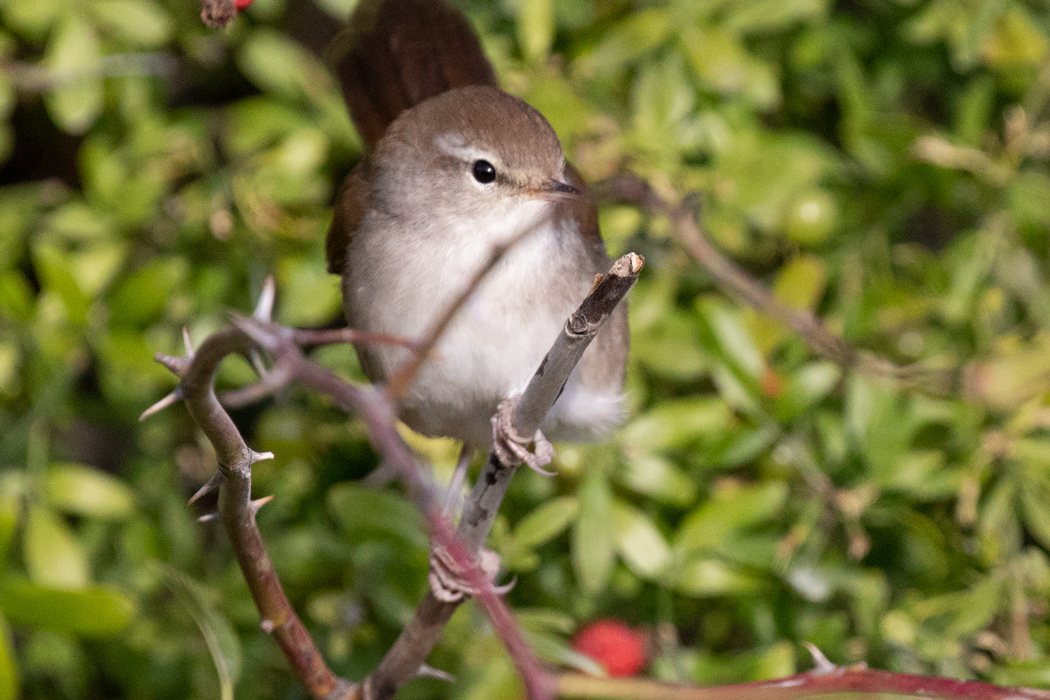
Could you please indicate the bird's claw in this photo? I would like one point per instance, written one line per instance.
(448, 580)
(512, 448)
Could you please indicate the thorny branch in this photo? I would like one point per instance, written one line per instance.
(376, 407)
(237, 510)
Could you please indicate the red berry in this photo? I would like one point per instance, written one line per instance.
(617, 647)
(242, 4)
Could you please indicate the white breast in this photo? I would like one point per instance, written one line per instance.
(401, 284)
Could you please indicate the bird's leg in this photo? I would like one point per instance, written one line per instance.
(455, 487)
(512, 448)
(447, 577)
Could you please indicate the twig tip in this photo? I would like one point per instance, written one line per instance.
(175, 365)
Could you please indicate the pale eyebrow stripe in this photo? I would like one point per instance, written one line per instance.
(456, 146)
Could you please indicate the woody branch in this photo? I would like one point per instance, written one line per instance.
(375, 406)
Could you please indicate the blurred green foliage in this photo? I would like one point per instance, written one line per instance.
(881, 162)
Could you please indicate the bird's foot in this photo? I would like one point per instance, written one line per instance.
(448, 580)
(512, 448)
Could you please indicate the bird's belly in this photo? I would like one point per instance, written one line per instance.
(492, 347)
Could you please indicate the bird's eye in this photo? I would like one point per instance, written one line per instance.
(484, 172)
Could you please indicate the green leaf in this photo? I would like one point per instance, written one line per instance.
(536, 28)
(1036, 515)
(628, 40)
(55, 267)
(309, 295)
(138, 22)
(1016, 41)
(256, 123)
(98, 611)
(10, 515)
(9, 680)
(1028, 200)
(658, 478)
(805, 388)
(729, 336)
(54, 557)
(593, 542)
(999, 527)
(705, 578)
(772, 15)
(78, 222)
(801, 282)
(675, 423)
(546, 522)
(977, 607)
(669, 347)
(81, 490)
(639, 542)
(810, 219)
(731, 508)
(141, 296)
(278, 65)
(366, 514)
(73, 56)
(33, 18)
(554, 650)
(223, 643)
(722, 64)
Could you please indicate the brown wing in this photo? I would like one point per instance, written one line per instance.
(585, 210)
(397, 53)
(351, 203)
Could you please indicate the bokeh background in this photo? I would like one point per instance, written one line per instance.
(883, 163)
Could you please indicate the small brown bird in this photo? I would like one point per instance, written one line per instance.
(455, 167)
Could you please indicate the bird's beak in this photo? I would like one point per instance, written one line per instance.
(555, 191)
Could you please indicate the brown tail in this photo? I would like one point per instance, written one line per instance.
(397, 53)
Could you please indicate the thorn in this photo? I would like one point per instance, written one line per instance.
(257, 363)
(208, 517)
(260, 456)
(190, 352)
(175, 365)
(213, 483)
(264, 309)
(174, 397)
(821, 664)
(259, 503)
(426, 671)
